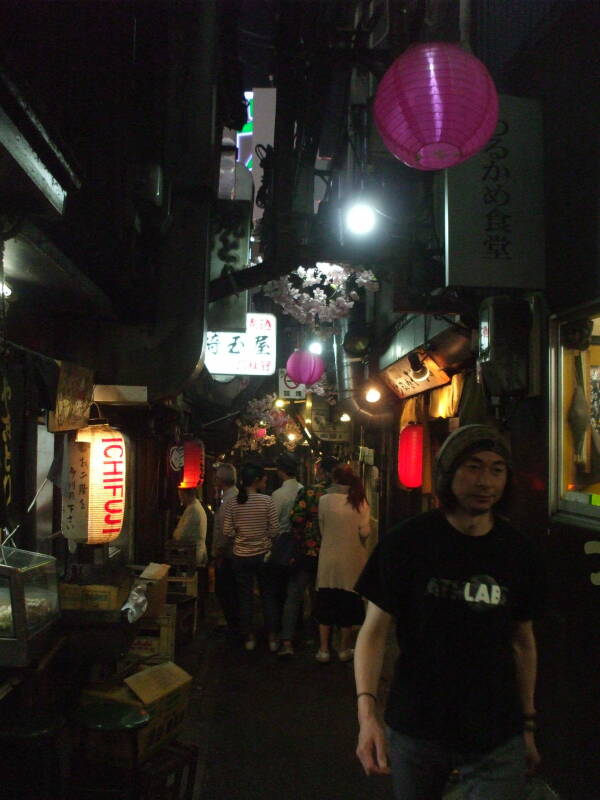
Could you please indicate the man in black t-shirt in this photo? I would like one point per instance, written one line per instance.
(462, 587)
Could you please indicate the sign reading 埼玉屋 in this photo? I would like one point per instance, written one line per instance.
(252, 352)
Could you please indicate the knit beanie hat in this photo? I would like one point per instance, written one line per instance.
(459, 446)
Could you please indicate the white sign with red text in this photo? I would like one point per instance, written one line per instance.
(252, 352)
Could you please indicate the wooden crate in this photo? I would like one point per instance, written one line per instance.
(170, 775)
(186, 618)
(183, 585)
(156, 637)
(180, 554)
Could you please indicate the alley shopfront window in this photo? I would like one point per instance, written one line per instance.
(577, 423)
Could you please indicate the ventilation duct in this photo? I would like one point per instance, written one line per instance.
(351, 381)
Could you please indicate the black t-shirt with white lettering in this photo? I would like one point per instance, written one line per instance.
(455, 600)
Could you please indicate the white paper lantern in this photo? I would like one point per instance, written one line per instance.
(94, 502)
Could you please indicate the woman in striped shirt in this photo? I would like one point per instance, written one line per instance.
(251, 520)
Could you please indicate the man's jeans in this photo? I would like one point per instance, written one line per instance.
(296, 584)
(246, 569)
(421, 769)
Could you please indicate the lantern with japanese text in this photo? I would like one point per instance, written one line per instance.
(410, 456)
(193, 465)
(93, 506)
(436, 106)
(304, 367)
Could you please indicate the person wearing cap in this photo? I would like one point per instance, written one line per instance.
(304, 521)
(463, 587)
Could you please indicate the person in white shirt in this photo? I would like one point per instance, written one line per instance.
(222, 550)
(345, 529)
(192, 524)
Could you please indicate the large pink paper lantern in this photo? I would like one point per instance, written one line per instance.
(436, 106)
(304, 367)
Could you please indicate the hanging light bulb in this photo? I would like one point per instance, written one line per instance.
(418, 370)
(345, 417)
(373, 395)
(279, 402)
(360, 218)
(316, 348)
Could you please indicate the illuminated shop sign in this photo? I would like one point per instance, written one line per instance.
(252, 352)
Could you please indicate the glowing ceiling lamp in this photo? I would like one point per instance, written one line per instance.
(360, 218)
(373, 395)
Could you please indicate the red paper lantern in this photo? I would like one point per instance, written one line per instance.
(436, 106)
(410, 456)
(304, 367)
(260, 433)
(193, 465)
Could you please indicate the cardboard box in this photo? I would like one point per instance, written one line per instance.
(163, 691)
(156, 636)
(92, 597)
(155, 577)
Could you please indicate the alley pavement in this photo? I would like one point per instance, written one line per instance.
(271, 727)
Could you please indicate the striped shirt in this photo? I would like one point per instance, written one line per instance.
(253, 525)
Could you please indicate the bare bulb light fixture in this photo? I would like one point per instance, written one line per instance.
(373, 395)
(360, 219)
(418, 370)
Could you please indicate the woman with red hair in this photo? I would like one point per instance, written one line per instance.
(345, 529)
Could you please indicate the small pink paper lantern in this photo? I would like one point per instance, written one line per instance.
(260, 433)
(304, 367)
(435, 106)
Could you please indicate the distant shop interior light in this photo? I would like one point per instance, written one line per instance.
(5, 289)
(279, 402)
(360, 218)
(372, 395)
(345, 417)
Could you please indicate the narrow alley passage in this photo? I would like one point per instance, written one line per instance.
(274, 728)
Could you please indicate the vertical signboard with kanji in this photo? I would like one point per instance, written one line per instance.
(494, 205)
(75, 497)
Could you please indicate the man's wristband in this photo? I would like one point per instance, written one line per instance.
(368, 694)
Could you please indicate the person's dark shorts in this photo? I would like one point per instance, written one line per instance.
(339, 607)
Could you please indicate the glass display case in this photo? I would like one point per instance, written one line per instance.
(28, 604)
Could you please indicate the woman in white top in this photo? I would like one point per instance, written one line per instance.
(251, 520)
(344, 525)
(192, 524)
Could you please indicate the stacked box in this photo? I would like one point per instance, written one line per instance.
(156, 637)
